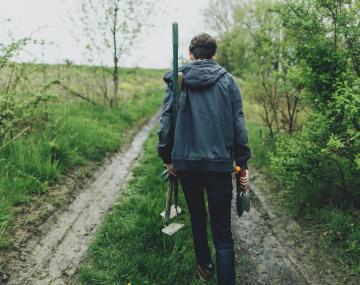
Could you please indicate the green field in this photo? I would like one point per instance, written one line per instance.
(67, 132)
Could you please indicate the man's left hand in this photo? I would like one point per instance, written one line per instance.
(170, 169)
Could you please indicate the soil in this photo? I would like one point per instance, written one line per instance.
(272, 248)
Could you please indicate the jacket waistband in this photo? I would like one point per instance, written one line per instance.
(203, 165)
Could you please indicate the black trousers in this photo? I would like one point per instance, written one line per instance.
(218, 186)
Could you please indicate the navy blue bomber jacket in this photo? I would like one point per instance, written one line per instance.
(210, 127)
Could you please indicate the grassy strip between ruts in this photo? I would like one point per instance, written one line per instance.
(74, 134)
(130, 247)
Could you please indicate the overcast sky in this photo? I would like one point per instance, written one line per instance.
(49, 20)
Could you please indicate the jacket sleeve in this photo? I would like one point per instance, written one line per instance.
(242, 152)
(166, 131)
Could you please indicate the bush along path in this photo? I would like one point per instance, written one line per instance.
(131, 249)
(53, 256)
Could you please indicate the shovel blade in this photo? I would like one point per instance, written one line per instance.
(172, 229)
(173, 212)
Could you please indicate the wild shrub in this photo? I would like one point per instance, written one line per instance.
(325, 155)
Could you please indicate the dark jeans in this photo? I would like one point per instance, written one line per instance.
(218, 186)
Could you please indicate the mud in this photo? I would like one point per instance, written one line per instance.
(271, 248)
(262, 259)
(55, 253)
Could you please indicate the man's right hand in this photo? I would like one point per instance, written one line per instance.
(244, 180)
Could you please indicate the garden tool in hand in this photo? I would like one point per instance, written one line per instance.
(171, 208)
(242, 193)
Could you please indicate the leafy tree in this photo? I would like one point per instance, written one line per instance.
(296, 53)
(322, 34)
(256, 49)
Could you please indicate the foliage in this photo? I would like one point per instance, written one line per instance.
(111, 27)
(261, 144)
(257, 49)
(63, 134)
(7, 51)
(319, 167)
(341, 228)
(20, 106)
(318, 31)
(304, 55)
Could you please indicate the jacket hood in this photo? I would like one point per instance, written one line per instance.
(198, 74)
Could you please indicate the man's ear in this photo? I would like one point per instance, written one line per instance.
(191, 56)
(214, 57)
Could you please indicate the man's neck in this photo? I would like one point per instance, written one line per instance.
(200, 59)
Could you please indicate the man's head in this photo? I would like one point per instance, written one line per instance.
(203, 46)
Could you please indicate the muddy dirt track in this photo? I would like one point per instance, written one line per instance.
(270, 249)
(53, 257)
(262, 259)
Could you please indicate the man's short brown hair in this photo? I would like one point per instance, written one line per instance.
(203, 46)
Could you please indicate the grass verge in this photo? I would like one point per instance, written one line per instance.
(338, 230)
(130, 247)
(74, 133)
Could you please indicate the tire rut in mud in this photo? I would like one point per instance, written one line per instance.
(261, 259)
(54, 256)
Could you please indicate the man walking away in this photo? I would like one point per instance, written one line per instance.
(210, 135)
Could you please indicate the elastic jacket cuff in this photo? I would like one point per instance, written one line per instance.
(243, 165)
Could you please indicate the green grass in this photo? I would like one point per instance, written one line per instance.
(339, 233)
(261, 144)
(74, 134)
(130, 246)
(339, 230)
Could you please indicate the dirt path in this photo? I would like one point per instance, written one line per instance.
(54, 256)
(271, 248)
(262, 258)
